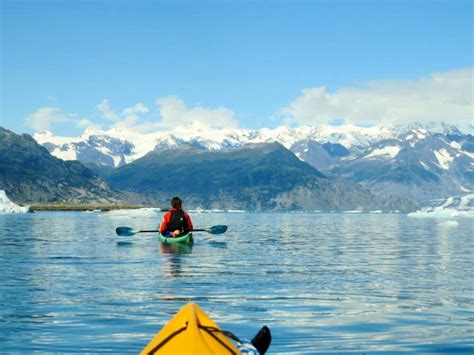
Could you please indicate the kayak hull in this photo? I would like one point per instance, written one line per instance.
(185, 239)
(190, 331)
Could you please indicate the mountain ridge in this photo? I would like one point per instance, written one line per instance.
(29, 173)
(254, 177)
(119, 146)
(416, 162)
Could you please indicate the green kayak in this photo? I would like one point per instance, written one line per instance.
(185, 239)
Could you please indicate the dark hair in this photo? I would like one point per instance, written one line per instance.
(176, 203)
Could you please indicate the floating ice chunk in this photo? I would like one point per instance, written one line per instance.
(449, 224)
(133, 213)
(93, 211)
(455, 206)
(7, 206)
(441, 213)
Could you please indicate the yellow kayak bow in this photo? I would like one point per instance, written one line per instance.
(191, 331)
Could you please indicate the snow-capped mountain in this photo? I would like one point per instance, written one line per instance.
(30, 174)
(417, 164)
(319, 155)
(119, 146)
(91, 147)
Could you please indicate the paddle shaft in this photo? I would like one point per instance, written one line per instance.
(127, 231)
(156, 230)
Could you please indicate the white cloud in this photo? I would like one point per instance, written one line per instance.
(173, 112)
(44, 117)
(440, 97)
(138, 108)
(84, 123)
(106, 111)
(132, 114)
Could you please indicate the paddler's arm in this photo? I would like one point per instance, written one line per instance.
(190, 224)
(164, 223)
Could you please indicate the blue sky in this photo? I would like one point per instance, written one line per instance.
(249, 64)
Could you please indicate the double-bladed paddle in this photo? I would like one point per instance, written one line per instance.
(128, 232)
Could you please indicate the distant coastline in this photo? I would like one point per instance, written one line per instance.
(84, 207)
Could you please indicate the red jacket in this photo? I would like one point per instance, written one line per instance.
(167, 217)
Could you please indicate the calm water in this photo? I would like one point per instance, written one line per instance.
(321, 282)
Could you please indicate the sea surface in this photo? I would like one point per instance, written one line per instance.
(323, 283)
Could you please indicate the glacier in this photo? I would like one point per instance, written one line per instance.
(121, 145)
(209, 138)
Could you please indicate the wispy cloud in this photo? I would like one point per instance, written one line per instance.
(84, 123)
(129, 116)
(444, 96)
(439, 97)
(43, 118)
(106, 111)
(132, 114)
(173, 112)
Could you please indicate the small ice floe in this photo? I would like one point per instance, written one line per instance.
(133, 213)
(449, 224)
(197, 210)
(200, 210)
(442, 213)
(236, 211)
(453, 207)
(7, 206)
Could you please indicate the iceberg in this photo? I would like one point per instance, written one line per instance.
(453, 207)
(7, 206)
(133, 213)
(449, 224)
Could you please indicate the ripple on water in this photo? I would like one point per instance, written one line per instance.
(322, 282)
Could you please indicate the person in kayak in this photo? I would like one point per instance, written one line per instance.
(176, 222)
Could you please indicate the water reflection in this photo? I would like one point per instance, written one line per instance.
(217, 244)
(173, 257)
(322, 282)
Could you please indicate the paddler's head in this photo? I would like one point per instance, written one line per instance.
(176, 203)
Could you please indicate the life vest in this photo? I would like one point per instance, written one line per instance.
(178, 222)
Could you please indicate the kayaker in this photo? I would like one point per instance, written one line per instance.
(176, 222)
